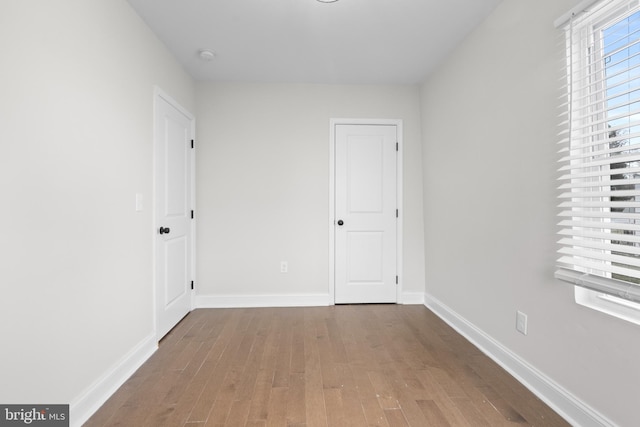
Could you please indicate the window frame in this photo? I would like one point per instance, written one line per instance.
(591, 64)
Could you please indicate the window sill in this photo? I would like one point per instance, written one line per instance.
(617, 307)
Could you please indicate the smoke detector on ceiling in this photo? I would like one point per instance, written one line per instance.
(206, 54)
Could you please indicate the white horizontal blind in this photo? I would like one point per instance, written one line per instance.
(600, 149)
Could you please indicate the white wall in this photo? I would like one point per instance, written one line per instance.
(489, 129)
(76, 103)
(263, 186)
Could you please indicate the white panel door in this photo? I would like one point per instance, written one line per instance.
(173, 162)
(365, 213)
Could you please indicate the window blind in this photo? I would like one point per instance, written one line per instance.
(599, 179)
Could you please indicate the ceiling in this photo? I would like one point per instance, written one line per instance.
(305, 41)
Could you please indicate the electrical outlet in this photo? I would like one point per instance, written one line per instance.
(521, 322)
(284, 267)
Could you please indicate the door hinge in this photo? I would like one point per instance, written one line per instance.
(397, 214)
(192, 143)
(396, 280)
(192, 285)
(397, 146)
(191, 213)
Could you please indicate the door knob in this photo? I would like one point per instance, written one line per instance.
(340, 222)
(164, 230)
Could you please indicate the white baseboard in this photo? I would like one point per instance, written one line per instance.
(571, 408)
(247, 301)
(412, 298)
(85, 405)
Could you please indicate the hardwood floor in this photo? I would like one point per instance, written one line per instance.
(353, 365)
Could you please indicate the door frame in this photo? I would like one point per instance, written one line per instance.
(158, 94)
(332, 196)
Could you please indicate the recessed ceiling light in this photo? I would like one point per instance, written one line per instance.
(206, 54)
(326, 1)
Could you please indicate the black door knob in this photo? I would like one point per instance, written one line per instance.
(340, 222)
(164, 230)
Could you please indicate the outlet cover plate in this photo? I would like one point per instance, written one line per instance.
(521, 322)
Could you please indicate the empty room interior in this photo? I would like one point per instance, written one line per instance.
(283, 110)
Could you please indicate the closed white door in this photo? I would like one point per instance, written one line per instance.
(173, 231)
(365, 213)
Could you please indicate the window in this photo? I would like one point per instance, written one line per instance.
(600, 164)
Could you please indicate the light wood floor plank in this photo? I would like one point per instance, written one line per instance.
(220, 364)
(333, 405)
(277, 412)
(395, 418)
(316, 415)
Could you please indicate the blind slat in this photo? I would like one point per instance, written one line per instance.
(609, 247)
(600, 214)
(623, 158)
(587, 154)
(599, 264)
(623, 237)
(600, 225)
(597, 173)
(600, 194)
(600, 183)
(601, 204)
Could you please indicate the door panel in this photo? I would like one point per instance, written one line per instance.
(365, 243)
(176, 141)
(176, 270)
(364, 171)
(365, 250)
(173, 134)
